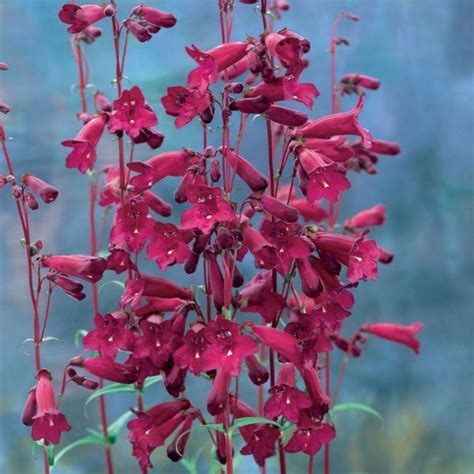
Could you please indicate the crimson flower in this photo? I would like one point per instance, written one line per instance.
(131, 113)
(258, 297)
(400, 333)
(261, 443)
(84, 154)
(109, 370)
(208, 208)
(355, 83)
(286, 49)
(80, 17)
(157, 342)
(286, 399)
(70, 287)
(155, 17)
(152, 427)
(368, 218)
(310, 436)
(39, 187)
(86, 267)
(109, 336)
(168, 245)
(185, 103)
(214, 61)
(264, 252)
(254, 178)
(132, 227)
(48, 422)
(359, 255)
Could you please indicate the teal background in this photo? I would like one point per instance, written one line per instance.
(422, 50)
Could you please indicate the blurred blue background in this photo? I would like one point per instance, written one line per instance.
(422, 50)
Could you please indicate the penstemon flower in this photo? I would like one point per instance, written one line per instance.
(274, 273)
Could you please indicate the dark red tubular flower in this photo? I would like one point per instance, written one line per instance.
(214, 61)
(137, 30)
(264, 252)
(198, 352)
(84, 154)
(85, 267)
(400, 333)
(30, 408)
(386, 256)
(216, 281)
(261, 443)
(382, 147)
(370, 217)
(119, 260)
(208, 208)
(70, 287)
(281, 342)
(131, 113)
(355, 83)
(176, 449)
(132, 226)
(287, 49)
(286, 399)
(310, 282)
(185, 103)
(157, 342)
(157, 204)
(82, 381)
(258, 373)
(344, 123)
(251, 105)
(254, 179)
(170, 163)
(109, 336)
(155, 287)
(153, 138)
(310, 436)
(219, 394)
(286, 116)
(230, 345)
(109, 370)
(258, 297)
(156, 17)
(80, 17)
(279, 209)
(48, 422)
(168, 246)
(151, 428)
(287, 89)
(359, 255)
(314, 387)
(39, 187)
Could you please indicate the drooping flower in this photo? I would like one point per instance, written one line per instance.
(109, 370)
(356, 83)
(286, 399)
(185, 103)
(264, 252)
(84, 154)
(132, 226)
(400, 333)
(80, 17)
(70, 287)
(219, 394)
(344, 123)
(176, 449)
(359, 255)
(48, 422)
(86, 267)
(39, 187)
(258, 297)
(286, 116)
(168, 246)
(212, 62)
(109, 336)
(370, 217)
(208, 208)
(258, 373)
(254, 179)
(261, 443)
(152, 427)
(131, 113)
(309, 437)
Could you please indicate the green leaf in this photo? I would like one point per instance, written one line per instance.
(90, 439)
(52, 338)
(112, 388)
(115, 427)
(103, 253)
(119, 283)
(151, 381)
(79, 336)
(340, 407)
(48, 448)
(251, 420)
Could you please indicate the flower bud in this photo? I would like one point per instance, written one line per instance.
(215, 170)
(4, 108)
(44, 190)
(30, 408)
(258, 373)
(3, 67)
(31, 201)
(191, 263)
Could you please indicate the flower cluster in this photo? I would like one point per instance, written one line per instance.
(276, 324)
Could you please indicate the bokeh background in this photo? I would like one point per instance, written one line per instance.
(422, 50)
